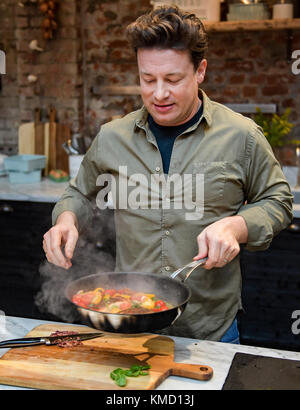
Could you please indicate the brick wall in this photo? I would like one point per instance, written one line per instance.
(250, 67)
(57, 68)
(9, 103)
(89, 50)
(109, 61)
(253, 67)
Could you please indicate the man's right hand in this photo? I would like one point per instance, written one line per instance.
(63, 233)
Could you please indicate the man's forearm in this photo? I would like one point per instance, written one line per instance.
(221, 240)
(67, 217)
(238, 225)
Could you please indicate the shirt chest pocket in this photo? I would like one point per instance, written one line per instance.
(213, 179)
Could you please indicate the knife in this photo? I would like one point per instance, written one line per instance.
(47, 340)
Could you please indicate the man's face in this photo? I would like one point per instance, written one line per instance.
(169, 84)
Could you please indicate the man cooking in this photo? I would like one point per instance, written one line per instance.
(180, 132)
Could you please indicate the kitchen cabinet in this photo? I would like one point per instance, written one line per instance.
(22, 227)
(23, 224)
(271, 292)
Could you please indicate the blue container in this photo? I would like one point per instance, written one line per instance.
(25, 163)
(16, 177)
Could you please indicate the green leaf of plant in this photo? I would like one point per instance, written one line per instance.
(274, 128)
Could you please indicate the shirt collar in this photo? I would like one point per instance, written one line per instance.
(142, 118)
(207, 107)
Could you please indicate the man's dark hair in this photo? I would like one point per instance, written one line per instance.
(169, 27)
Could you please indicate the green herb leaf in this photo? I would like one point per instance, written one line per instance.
(119, 375)
(135, 367)
(121, 381)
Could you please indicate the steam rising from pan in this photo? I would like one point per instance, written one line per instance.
(95, 253)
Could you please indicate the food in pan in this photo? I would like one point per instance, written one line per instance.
(120, 301)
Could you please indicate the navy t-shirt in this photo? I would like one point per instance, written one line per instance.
(166, 135)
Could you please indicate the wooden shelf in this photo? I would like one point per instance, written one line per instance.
(253, 25)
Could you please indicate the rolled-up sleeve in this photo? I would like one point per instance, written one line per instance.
(81, 191)
(269, 206)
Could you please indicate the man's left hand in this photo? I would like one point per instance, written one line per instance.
(220, 241)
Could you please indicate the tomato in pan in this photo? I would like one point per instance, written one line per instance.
(124, 301)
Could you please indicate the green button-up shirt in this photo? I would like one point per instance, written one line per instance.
(230, 170)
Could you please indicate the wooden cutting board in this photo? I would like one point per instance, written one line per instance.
(55, 135)
(63, 134)
(39, 138)
(45, 139)
(31, 136)
(88, 366)
(26, 138)
(52, 139)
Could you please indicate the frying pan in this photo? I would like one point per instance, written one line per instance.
(171, 290)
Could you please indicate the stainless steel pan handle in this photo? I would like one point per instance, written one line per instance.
(193, 265)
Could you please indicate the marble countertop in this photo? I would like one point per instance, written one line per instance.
(44, 191)
(217, 355)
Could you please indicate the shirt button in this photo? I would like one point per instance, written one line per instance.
(167, 232)
(167, 268)
(157, 169)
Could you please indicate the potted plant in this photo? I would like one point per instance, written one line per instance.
(275, 128)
